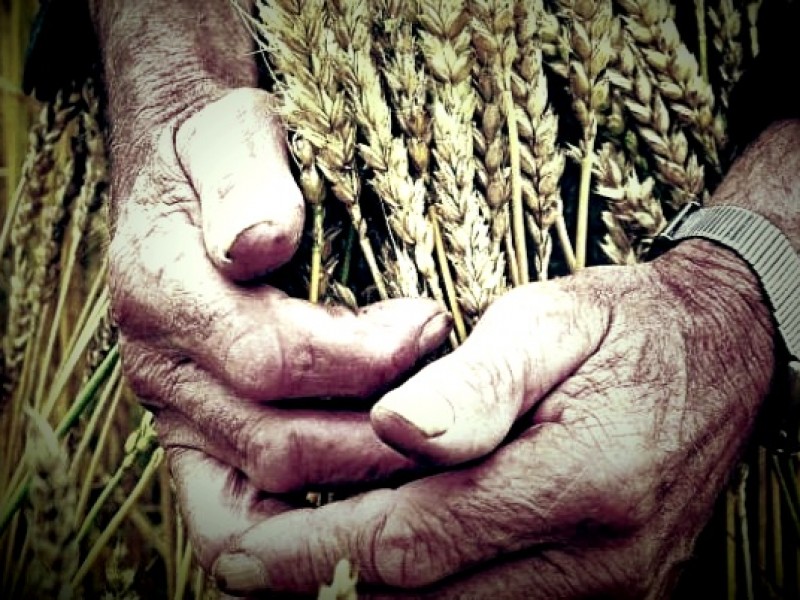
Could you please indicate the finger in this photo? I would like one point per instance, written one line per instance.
(279, 449)
(234, 154)
(622, 571)
(462, 406)
(548, 487)
(217, 503)
(262, 343)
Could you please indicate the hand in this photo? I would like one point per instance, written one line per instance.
(211, 203)
(633, 390)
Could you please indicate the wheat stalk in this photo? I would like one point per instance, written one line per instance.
(384, 153)
(495, 50)
(313, 104)
(478, 267)
(405, 186)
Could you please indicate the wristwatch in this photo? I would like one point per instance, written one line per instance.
(777, 265)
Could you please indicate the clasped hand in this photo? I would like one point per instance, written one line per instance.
(573, 446)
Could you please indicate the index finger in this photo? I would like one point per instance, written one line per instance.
(262, 343)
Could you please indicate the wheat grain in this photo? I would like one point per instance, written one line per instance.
(634, 217)
(445, 40)
(677, 166)
(52, 497)
(542, 161)
(727, 23)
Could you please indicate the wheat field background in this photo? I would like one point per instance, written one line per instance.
(87, 505)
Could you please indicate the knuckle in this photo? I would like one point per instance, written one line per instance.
(273, 464)
(153, 377)
(253, 366)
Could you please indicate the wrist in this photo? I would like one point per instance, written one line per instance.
(723, 298)
(163, 62)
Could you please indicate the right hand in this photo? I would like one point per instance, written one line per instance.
(213, 203)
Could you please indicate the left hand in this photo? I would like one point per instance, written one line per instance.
(633, 390)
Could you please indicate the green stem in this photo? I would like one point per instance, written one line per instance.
(84, 399)
(183, 572)
(67, 368)
(130, 501)
(347, 255)
(97, 454)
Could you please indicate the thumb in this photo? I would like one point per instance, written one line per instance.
(233, 152)
(462, 406)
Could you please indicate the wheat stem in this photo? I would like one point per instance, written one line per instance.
(88, 393)
(741, 509)
(317, 236)
(702, 39)
(182, 577)
(518, 221)
(582, 234)
(88, 432)
(730, 545)
(99, 449)
(68, 365)
(566, 245)
(449, 286)
(152, 466)
(513, 263)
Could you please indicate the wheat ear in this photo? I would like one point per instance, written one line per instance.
(634, 217)
(313, 103)
(587, 28)
(677, 166)
(445, 40)
(542, 161)
(675, 72)
(726, 20)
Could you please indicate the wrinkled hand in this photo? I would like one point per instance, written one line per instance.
(632, 390)
(211, 204)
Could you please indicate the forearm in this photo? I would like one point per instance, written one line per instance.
(766, 179)
(164, 60)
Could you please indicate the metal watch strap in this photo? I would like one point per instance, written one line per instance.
(762, 245)
(776, 263)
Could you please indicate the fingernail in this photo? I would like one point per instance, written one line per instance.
(434, 332)
(240, 572)
(431, 418)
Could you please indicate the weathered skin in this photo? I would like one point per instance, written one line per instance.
(632, 390)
